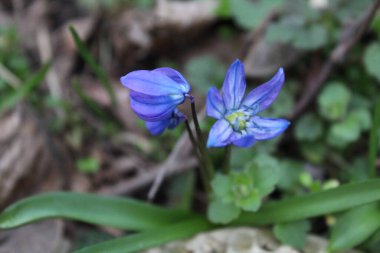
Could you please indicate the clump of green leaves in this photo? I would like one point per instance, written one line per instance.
(242, 190)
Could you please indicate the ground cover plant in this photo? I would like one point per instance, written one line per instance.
(138, 125)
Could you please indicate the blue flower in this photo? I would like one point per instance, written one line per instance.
(237, 122)
(158, 127)
(155, 94)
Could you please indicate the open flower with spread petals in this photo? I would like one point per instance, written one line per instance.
(238, 123)
(155, 94)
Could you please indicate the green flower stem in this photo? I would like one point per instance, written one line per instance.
(202, 144)
(226, 159)
(205, 179)
(373, 140)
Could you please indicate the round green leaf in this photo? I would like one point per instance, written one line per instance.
(372, 60)
(333, 101)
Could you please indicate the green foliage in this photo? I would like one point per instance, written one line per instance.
(314, 152)
(205, 71)
(144, 240)
(289, 174)
(374, 139)
(314, 204)
(309, 128)
(333, 101)
(349, 129)
(242, 190)
(372, 59)
(95, 67)
(24, 90)
(106, 211)
(354, 227)
(181, 191)
(88, 164)
(298, 34)
(249, 15)
(292, 233)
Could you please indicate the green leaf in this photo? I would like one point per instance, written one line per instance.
(264, 171)
(221, 212)
(333, 101)
(224, 8)
(354, 227)
(151, 238)
(292, 233)
(374, 140)
(345, 132)
(308, 128)
(24, 90)
(372, 59)
(205, 71)
(314, 204)
(88, 164)
(314, 152)
(249, 14)
(289, 174)
(101, 210)
(95, 67)
(312, 37)
(221, 186)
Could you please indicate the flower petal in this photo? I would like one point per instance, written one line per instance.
(157, 127)
(176, 118)
(244, 141)
(220, 133)
(214, 104)
(264, 95)
(151, 83)
(234, 86)
(264, 129)
(176, 77)
(154, 108)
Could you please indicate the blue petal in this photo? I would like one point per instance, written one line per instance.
(234, 86)
(157, 127)
(244, 141)
(175, 76)
(264, 129)
(154, 108)
(214, 104)
(264, 95)
(177, 117)
(220, 134)
(151, 83)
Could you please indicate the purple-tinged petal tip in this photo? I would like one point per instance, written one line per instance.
(264, 95)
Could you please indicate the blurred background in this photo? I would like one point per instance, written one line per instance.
(66, 124)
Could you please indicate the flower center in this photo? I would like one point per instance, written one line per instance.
(238, 119)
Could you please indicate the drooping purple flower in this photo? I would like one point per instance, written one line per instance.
(158, 127)
(237, 122)
(155, 94)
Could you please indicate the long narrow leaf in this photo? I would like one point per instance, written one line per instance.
(315, 204)
(354, 227)
(87, 57)
(24, 90)
(374, 139)
(101, 210)
(148, 239)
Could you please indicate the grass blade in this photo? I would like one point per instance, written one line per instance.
(87, 57)
(24, 90)
(101, 210)
(374, 140)
(148, 239)
(314, 204)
